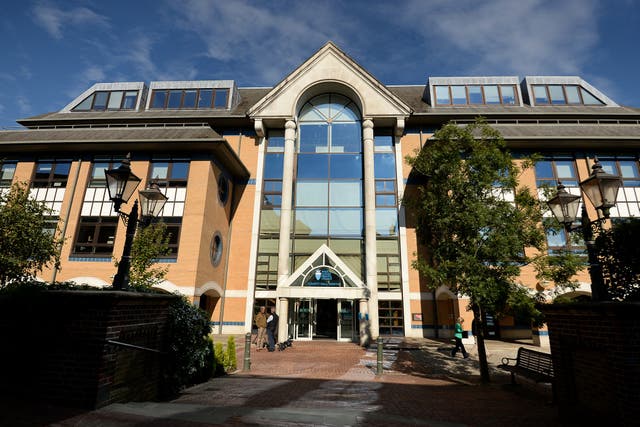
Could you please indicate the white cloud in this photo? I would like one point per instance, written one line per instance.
(268, 39)
(53, 19)
(522, 37)
(24, 106)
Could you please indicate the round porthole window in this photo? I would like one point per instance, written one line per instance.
(216, 248)
(223, 189)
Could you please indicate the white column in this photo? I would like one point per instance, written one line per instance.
(370, 226)
(285, 223)
(285, 207)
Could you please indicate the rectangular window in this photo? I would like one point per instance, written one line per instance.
(115, 100)
(475, 95)
(311, 222)
(51, 173)
(626, 168)
(130, 99)
(442, 95)
(389, 278)
(189, 100)
(7, 170)
(540, 94)
(314, 138)
(391, 318)
(267, 264)
(275, 144)
(174, 225)
(573, 95)
(459, 95)
(345, 222)
(312, 193)
(557, 94)
(221, 98)
(386, 222)
(273, 166)
(96, 235)
(508, 95)
(383, 141)
(100, 101)
(549, 172)
(175, 99)
(205, 98)
(345, 138)
(159, 99)
(170, 173)
(384, 165)
(491, 94)
(98, 178)
(345, 166)
(345, 193)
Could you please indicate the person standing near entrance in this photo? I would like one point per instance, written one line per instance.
(458, 336)
(261, 322)
(272, 328)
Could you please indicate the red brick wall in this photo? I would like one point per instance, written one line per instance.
(59, 349)
(596, 359)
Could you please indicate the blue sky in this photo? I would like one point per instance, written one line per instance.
(54, 50)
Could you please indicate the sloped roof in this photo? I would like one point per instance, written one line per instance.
(97, 139)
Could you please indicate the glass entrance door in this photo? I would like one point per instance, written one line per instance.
(303, 316)
(346, 319)
(323, 319)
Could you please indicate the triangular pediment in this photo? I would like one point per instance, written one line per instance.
(323, 257)
(329, 70)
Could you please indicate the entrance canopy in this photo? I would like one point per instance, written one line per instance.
(323, 275)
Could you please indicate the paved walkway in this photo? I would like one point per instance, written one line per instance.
(326, 383)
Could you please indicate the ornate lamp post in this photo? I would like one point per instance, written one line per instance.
(601, 189)
(121, 183)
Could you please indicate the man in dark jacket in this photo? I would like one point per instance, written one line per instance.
(272, 328)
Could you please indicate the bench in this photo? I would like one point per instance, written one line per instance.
(532, 364)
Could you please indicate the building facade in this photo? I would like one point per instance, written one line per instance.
(291, 196)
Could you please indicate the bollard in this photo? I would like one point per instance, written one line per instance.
(379, 370)
(247, 352)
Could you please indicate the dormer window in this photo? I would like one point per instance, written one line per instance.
(481, 94)
(558, 94)
(174, 99)
(109, 100)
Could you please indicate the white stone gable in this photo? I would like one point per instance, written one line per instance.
(329, 69)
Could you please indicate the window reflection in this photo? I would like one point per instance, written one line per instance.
(346, 166)
(384, 165)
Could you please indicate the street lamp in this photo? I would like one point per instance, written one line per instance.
(121, 183)
(601, 189)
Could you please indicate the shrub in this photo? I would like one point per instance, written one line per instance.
(220, 359)
(189, 352)
(231, 359)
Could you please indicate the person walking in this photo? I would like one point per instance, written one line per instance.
(272, 328)
(260, 320)
(458, 336)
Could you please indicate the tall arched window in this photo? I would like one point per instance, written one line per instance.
(328, 196)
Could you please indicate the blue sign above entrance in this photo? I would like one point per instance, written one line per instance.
(324, 277)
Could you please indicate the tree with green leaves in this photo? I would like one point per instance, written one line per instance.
(27, 245)
(149, 244)
(474, 238)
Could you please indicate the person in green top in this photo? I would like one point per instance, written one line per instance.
(458, 336)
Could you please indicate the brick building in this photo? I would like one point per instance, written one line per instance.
(290, 195)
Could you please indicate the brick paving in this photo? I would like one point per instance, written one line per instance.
(327, 383)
